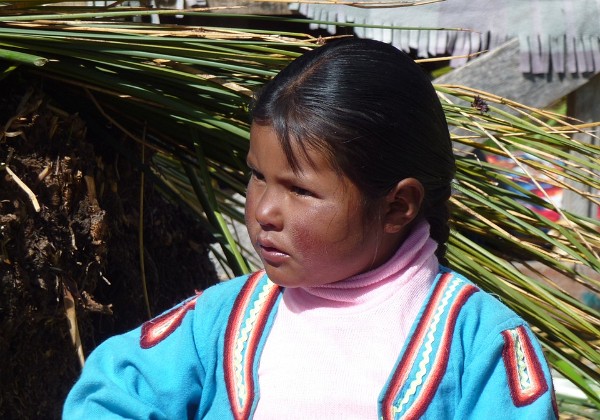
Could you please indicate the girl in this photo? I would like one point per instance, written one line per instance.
(353, 316)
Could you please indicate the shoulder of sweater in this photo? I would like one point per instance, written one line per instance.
(484, 316)
(483, 300)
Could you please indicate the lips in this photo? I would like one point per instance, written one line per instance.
(269, 253)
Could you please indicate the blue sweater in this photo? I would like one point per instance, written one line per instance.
(468, 356)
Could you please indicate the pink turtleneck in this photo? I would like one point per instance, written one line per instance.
(332, 348)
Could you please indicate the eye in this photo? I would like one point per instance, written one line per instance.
(256, 175)
(301, 191)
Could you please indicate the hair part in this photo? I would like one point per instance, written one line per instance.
(373, 112)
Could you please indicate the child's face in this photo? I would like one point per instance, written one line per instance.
(308, 228)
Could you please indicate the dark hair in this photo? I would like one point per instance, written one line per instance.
(375, 115)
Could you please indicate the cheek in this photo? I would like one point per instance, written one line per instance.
(322, 233)
(307, 242)
(307, 231)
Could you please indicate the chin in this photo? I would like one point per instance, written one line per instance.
(282, 279)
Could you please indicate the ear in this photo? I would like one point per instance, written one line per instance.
(403, 204)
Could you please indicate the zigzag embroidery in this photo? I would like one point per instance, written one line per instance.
(244, 331)
(526, 379)
(428, 347)
(432, 361)
(523, 371)
(242, 370)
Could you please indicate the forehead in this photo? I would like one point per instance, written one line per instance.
(265, 143)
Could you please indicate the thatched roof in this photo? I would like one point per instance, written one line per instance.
(555, 36)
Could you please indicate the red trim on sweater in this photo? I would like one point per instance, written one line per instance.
(520, 395)
(440, 364)
(236, 320)
(237, 314)
(441, 358)
(159, 328)
(410, 354)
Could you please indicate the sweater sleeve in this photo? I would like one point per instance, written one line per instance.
(152, 372)
(508, 377)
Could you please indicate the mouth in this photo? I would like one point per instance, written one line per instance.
(270, 254)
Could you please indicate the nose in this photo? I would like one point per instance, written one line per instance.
(268, 210)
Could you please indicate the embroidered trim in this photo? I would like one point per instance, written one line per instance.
(429, 357)
(159, 328)
(523, 369)
(246, 324)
